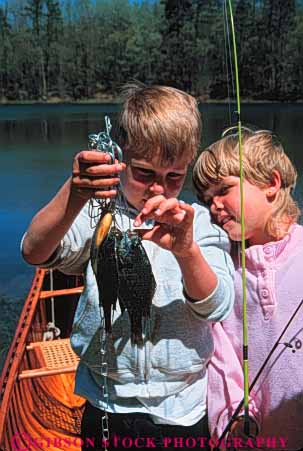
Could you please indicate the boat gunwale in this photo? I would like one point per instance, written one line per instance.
(18, 346)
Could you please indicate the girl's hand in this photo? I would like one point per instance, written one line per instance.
(173, 230)
(237, 430)
(94, 176)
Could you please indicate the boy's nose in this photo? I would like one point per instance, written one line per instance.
(157, 188)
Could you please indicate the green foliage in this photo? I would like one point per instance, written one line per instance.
(80, 49)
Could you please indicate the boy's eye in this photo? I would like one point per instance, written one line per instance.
(143, 172)
(175, 176)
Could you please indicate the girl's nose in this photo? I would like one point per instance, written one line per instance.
(157, 188)
(216, 204)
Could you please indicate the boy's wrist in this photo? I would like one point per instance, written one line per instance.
(78, 197)
(191, 252)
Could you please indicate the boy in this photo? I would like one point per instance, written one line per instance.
(158, 390)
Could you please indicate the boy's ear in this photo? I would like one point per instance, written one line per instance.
(274, 185)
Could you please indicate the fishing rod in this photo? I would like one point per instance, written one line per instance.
(243, 244)
(276, 344)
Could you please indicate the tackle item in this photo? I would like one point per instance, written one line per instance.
(119, 260)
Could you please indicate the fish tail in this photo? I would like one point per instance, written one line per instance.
(136, 339)
(108, 322)
(136, 331)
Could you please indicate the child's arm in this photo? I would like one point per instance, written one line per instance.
(91, 174)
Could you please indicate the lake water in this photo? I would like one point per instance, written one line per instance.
(37, 143)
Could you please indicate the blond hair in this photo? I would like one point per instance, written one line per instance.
(262, 154)
(159, 119)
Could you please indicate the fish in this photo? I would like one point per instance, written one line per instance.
(137, 283)
(123, 272)
(104, 265)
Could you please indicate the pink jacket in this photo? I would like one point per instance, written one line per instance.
(274, 290)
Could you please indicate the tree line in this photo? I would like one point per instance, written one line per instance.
(86, 49)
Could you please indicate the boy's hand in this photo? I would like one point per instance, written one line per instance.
(174, 224)
(94, 176)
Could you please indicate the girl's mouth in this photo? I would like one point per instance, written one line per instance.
(226, 220)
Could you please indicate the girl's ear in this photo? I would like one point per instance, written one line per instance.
(274, 185)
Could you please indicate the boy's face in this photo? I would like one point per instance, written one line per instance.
(143, 179)
(224, 202)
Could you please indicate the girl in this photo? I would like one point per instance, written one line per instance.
(274, 259)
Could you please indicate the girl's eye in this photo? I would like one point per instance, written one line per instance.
(223, 190)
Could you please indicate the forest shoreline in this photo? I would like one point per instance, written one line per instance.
(117, 100)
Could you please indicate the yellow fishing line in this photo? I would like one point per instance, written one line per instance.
(243, 261)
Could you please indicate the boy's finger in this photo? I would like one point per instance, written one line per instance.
(148, 234)
(92, 156)
(105, 194)
(152, 203)
(168, 205)
(168, 211)
(97, 171)
(90, 192)
(141, 218)
(87, 158)
(171, 219)
(180, 214)
(102, 169)
(95, 183)
(188, 209)
(160, 205)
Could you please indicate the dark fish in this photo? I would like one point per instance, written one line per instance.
(137, 284)
(103, 249)
(123, 271)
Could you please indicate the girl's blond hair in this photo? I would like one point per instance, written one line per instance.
(159, 119)
(262, 154)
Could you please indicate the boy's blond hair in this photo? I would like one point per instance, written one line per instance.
(159, 119)
(262, 154)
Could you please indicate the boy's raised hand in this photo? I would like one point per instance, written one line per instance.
(94, 175)
(173, 229)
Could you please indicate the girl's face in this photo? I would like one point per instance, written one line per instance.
(143, 179)
(224, 202)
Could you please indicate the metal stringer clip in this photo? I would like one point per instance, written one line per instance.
(102, 142)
